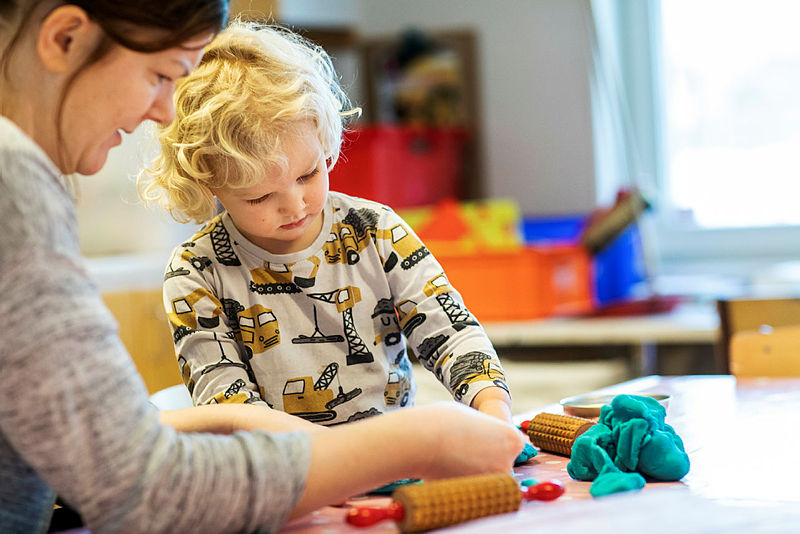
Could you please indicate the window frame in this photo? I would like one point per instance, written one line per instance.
(637, 29)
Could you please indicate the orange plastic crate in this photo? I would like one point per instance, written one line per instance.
(566, 278)
(525, 284)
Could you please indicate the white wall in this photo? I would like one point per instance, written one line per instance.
(534, 59)
(112, 219)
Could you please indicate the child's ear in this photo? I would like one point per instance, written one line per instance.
(66, 37)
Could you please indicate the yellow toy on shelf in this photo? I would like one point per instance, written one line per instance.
(480, 247)
(464, 228)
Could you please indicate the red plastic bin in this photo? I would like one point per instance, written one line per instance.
(400, 166)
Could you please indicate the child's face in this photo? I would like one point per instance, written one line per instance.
(283, 213)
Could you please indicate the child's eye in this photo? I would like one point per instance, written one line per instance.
(163, 78)
(259, 199)
(309, 176)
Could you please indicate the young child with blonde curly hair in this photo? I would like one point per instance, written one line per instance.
(296, 297)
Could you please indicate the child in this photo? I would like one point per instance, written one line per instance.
(295, 297)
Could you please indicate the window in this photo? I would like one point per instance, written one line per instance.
(696, 102)
(731, 73)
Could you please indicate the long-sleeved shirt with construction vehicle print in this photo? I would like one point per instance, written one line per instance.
(324, 333)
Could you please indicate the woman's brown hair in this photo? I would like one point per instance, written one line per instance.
(143, 26)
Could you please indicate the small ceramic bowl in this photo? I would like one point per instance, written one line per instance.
(589, 405)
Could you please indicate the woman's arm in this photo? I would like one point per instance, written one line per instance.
(229, 418)
(415, 442)
(435, 441)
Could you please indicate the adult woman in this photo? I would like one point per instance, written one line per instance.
(74, 416)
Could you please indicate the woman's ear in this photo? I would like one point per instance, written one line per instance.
(66, 36)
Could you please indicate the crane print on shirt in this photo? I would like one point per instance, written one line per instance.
(224, 361)
(317, 336)
(345, 299)
(439, 287)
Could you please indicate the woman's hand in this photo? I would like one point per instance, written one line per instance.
(466, 441)
(229, 418)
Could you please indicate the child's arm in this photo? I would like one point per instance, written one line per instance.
(212, 361)
(494, 401)
(445, 336)
(229, 418)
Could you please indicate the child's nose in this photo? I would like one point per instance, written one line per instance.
(294, 202)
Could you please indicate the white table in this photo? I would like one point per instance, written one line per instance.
(687, 324)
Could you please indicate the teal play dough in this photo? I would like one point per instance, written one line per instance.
(631, 441)
(527, 453)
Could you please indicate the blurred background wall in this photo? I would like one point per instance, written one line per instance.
(532, 86)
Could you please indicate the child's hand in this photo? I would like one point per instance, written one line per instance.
(466, 442)
(494, 401)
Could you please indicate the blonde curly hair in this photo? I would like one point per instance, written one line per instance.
(254, 86)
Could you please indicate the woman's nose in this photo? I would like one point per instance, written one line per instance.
(162, 109)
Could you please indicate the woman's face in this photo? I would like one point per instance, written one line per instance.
(115, 95)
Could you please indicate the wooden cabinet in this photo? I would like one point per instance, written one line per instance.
(254, 9)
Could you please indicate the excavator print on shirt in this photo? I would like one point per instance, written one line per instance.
(350, 236)
(473, 367)
(316, 402)
(385, 317)
(200, 308)
(407, 250)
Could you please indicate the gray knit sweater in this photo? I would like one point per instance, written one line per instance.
(74, 414)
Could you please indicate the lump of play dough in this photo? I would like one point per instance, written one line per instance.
(610, 480)
(631, 439)
(527, 453)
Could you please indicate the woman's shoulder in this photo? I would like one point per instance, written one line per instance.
(19, 154)
(35, 203)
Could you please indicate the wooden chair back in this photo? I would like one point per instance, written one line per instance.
(145, 332)
(771, 352)
(752, 316)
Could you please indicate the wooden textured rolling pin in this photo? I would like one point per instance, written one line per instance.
(556, 433)
(445, 502)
